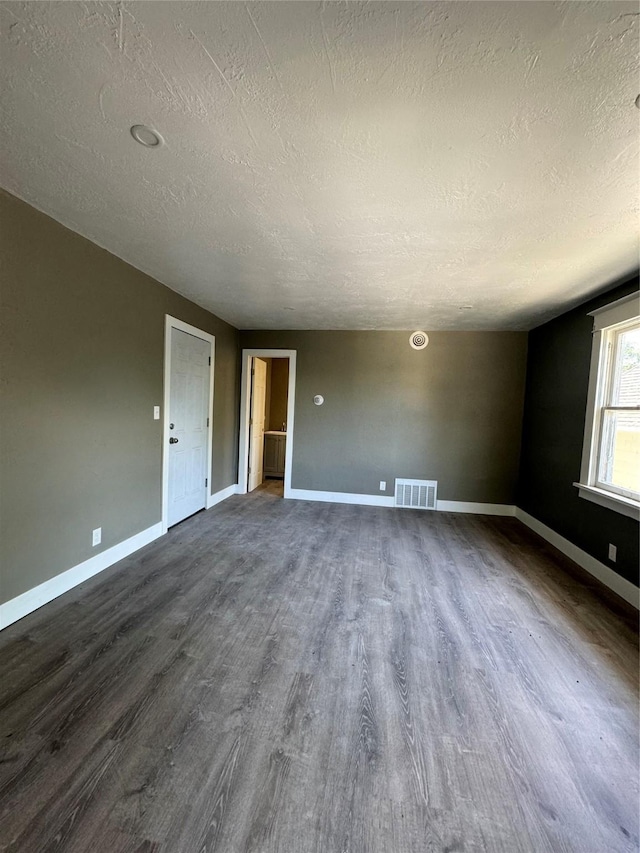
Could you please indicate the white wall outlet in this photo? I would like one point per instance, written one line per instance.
(383, 485)
(613, 553)
(97, 536)
(156, 413)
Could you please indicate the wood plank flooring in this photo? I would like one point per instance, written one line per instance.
(290, 677)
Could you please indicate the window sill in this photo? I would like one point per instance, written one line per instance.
(625, 506)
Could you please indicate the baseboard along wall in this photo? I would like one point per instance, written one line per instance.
(388, 501)
(622, 587)
(45, 592)
(222, 495)
(339, 497)
(40, 595)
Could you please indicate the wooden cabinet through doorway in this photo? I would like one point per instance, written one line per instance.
(274, 454)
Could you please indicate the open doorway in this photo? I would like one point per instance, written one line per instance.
(266, 422)
(275, 434)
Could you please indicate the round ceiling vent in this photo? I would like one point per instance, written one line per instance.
(418, 340)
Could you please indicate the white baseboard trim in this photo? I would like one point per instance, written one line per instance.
(476, 508)
(622, 587)
(222, 495)
(386, 500)
(34, 598)
(339, 497)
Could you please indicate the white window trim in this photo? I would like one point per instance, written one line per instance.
(606, 319)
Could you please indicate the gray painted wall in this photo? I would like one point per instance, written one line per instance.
(452, 412)
(555, 408)
(82, 348)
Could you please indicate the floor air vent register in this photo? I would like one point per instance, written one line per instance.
(416, 494)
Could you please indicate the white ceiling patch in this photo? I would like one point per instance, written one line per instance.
(334, 165)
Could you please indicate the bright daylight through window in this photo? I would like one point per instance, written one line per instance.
(619, 452)
(610, 472)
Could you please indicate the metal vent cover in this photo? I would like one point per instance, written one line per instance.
(416, 494)
(418, 340)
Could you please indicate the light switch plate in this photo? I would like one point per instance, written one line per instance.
(156, 413)
(613, 553)
(383, 485)
(97, 536)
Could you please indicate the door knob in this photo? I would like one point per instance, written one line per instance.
(173, 440)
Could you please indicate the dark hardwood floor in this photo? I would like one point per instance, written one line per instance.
(312, 678)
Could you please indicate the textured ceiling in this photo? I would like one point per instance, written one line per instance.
(336, 165)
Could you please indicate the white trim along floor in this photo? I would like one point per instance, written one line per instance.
(34, 598)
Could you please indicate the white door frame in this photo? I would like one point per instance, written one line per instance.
(173, 323)
(245, 400)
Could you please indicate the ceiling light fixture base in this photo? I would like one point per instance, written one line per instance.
(146, 136)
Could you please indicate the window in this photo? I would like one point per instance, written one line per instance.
(610, 473)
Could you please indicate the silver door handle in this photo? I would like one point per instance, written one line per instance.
(173, 440)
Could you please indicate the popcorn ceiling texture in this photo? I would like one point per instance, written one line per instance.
(336, 165)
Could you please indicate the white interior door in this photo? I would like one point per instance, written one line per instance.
(188, 428)
(258, 405)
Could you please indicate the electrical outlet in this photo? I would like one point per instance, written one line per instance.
(613, 553)
(383, 485)
(156, 413)
(97, 536)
